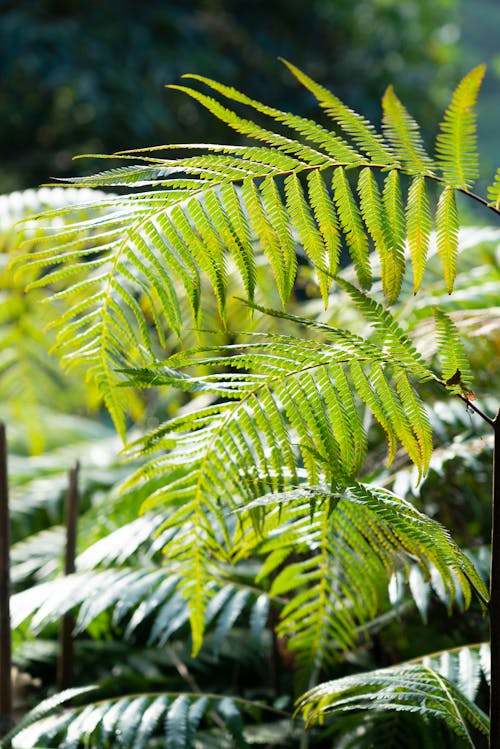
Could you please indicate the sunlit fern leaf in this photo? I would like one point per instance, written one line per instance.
(447, 235)
(125, 291)
(419, 224)
(391, 334)
(456, 142)
(409, 687)
(329, 142)
(387, 246)
(352, 225)
(404, 134)
(327, 221)
(361, 131)
(307, 231)
(355, 541)
(494, 190)
(451, 352)
(395, 225)
(305, 154)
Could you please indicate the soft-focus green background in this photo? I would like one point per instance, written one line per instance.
(80, 77)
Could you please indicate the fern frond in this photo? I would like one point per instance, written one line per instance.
(447, 235)
(451, 352)
(409, 687)
(352, 225)
(361, 131)
(456, 142)
(177, 719)
(335, 147)
(387, 246)
(404, 134)
(355, 540)
(419, 224)
(494, 190)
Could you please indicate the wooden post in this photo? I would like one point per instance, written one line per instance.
(5, 633)
(65, 666)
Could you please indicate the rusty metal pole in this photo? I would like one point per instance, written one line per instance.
(5, 632)
(65, 666)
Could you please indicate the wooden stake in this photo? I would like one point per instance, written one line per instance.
(5, 633)
(65, 666)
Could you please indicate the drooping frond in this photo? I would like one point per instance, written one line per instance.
(404, 134)
(418, 686)
(343, 557)
(419, 224)
(447, 235)
(455, 367)
(456, 142)
(387, 245)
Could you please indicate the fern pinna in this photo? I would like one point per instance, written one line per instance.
(266, 459)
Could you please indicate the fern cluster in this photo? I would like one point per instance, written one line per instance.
(265, 461)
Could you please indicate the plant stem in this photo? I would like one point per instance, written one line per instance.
(494, 608)
(5, 633)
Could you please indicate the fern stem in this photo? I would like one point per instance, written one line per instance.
(494, 607)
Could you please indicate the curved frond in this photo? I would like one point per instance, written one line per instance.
(409, 688)
(179, 720)
(343, 558)
(454, 363)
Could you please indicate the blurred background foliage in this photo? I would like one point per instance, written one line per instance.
(81, 77)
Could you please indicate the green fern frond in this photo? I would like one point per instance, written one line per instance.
(356, 539)
(456, 143)
(419, 224)
(409, 687)
(447, 235)
(404, 134)
(335, 147)
(451, 352)
(361, 131)
(125, 277)
(177, 719)
(352, 225)
(494, 190)
(387, 246)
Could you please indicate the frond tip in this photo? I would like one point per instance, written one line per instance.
(456, 143)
